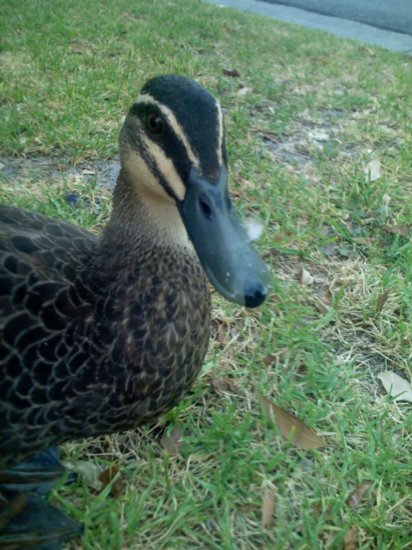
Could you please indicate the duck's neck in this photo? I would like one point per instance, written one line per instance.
(141, 218)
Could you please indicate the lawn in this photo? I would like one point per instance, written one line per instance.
(319, 134)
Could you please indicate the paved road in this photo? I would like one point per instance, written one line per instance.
(363, 19)
(391, 15)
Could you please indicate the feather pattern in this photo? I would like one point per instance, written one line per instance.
(91, 342)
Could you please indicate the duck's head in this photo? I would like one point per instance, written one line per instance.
(173, 146)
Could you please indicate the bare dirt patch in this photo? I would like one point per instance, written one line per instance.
(311, 138)
(41, 168)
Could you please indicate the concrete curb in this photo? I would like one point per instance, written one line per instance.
(393, 41)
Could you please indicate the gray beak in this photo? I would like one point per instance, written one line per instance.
(231, 263)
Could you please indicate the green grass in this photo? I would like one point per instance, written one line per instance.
(327, 107)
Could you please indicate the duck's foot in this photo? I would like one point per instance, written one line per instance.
(31, 523)
(38, 474)
(27, 521)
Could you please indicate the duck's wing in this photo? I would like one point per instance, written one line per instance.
(46, 246)
(43, 294)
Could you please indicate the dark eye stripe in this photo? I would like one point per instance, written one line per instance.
(172, 144)
(153, 167)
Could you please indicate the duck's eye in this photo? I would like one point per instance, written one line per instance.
(154, 123)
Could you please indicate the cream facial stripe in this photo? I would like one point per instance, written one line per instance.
(170, 117)
(220, 133)
(166, 168)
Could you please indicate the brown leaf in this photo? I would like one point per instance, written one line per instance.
(321, 307)
(107, 477)
(268, 506)
(170, 442)
(233, 73)
(355, 499)
(324, 304)
(292, 428)
(327, 297)
(304, 277)
(221, 330)
(269, 360)
(221, 333)
(402, 230)
(351, 538)
(223, 384)
(381, 301)
(109, 474)
(77, 46)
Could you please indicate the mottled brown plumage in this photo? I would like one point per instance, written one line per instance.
(99, 334)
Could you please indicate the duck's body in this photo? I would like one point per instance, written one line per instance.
(98, 335)
(92, 348)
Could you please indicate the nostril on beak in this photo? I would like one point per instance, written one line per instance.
(255, 293)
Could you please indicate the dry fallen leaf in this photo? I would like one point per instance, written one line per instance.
(90, 471)
(77, 46)
(397, 387)
(327, 297)
(269, 360)
(324, 303)
(321, 307)
(223, 384)
(221, 333)
(355, 499)
(402, 230)
(373, 170)
(107, 477)
(268, 506)
(351, 538)
(381, 301)
(170, 442)
(304, 277)
(109, 474)
(292, 428)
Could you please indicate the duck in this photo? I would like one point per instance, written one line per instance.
(99, 334)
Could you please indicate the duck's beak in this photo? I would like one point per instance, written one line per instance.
(231, 263)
